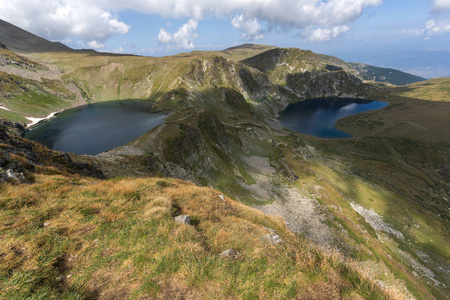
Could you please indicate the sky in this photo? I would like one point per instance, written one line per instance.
(355, 30)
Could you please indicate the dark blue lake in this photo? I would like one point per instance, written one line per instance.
(318, 116)
(98, 127)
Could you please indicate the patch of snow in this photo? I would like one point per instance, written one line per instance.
(34, 121)
(376, 221)
(2, 107)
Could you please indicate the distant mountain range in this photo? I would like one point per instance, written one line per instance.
(427, 64)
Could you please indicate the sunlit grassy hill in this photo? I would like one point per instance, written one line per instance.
(437, 89)
(69, 237)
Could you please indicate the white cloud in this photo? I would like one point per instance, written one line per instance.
(98, 19)
(58, 19)
(164, 37)
(183, 38)
(325, 34)
(95, 45)
(441, 5)
(436, 28)
(252, 29)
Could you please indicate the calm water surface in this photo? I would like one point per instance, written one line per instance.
(98, 127)
(318, 116)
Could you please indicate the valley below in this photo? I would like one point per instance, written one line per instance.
(376, 203)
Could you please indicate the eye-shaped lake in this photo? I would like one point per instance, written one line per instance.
(98, 127)
(318, 116)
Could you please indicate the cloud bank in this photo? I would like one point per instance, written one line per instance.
(97, 20)
(441, 5)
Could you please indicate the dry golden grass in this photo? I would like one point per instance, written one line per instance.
(436, 89)
(68, 237)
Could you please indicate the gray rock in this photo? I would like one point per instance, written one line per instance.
(229, 253)
(273, 239)
(10, 175)
(183, 219)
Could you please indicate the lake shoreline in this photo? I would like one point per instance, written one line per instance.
(318, 116)
(95, 128)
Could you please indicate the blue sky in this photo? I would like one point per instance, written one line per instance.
(351, 29)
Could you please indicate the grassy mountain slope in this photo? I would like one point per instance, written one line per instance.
(398, 158)
(437, 89)
(66, 237)
(220, 136)
(17, 39)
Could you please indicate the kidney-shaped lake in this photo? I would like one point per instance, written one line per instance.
(318, 116)
(98, 127)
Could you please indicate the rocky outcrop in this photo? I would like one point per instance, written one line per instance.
(9, 58)
(216, 71)
(12, 170)
(19, 157)
(2, 46)
(327, 84)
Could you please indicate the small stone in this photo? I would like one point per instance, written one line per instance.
(46, 224)
(183, 219)
(222, 197)
(229, 253)
(273, 239)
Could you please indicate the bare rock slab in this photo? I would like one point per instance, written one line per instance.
(183, 219)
